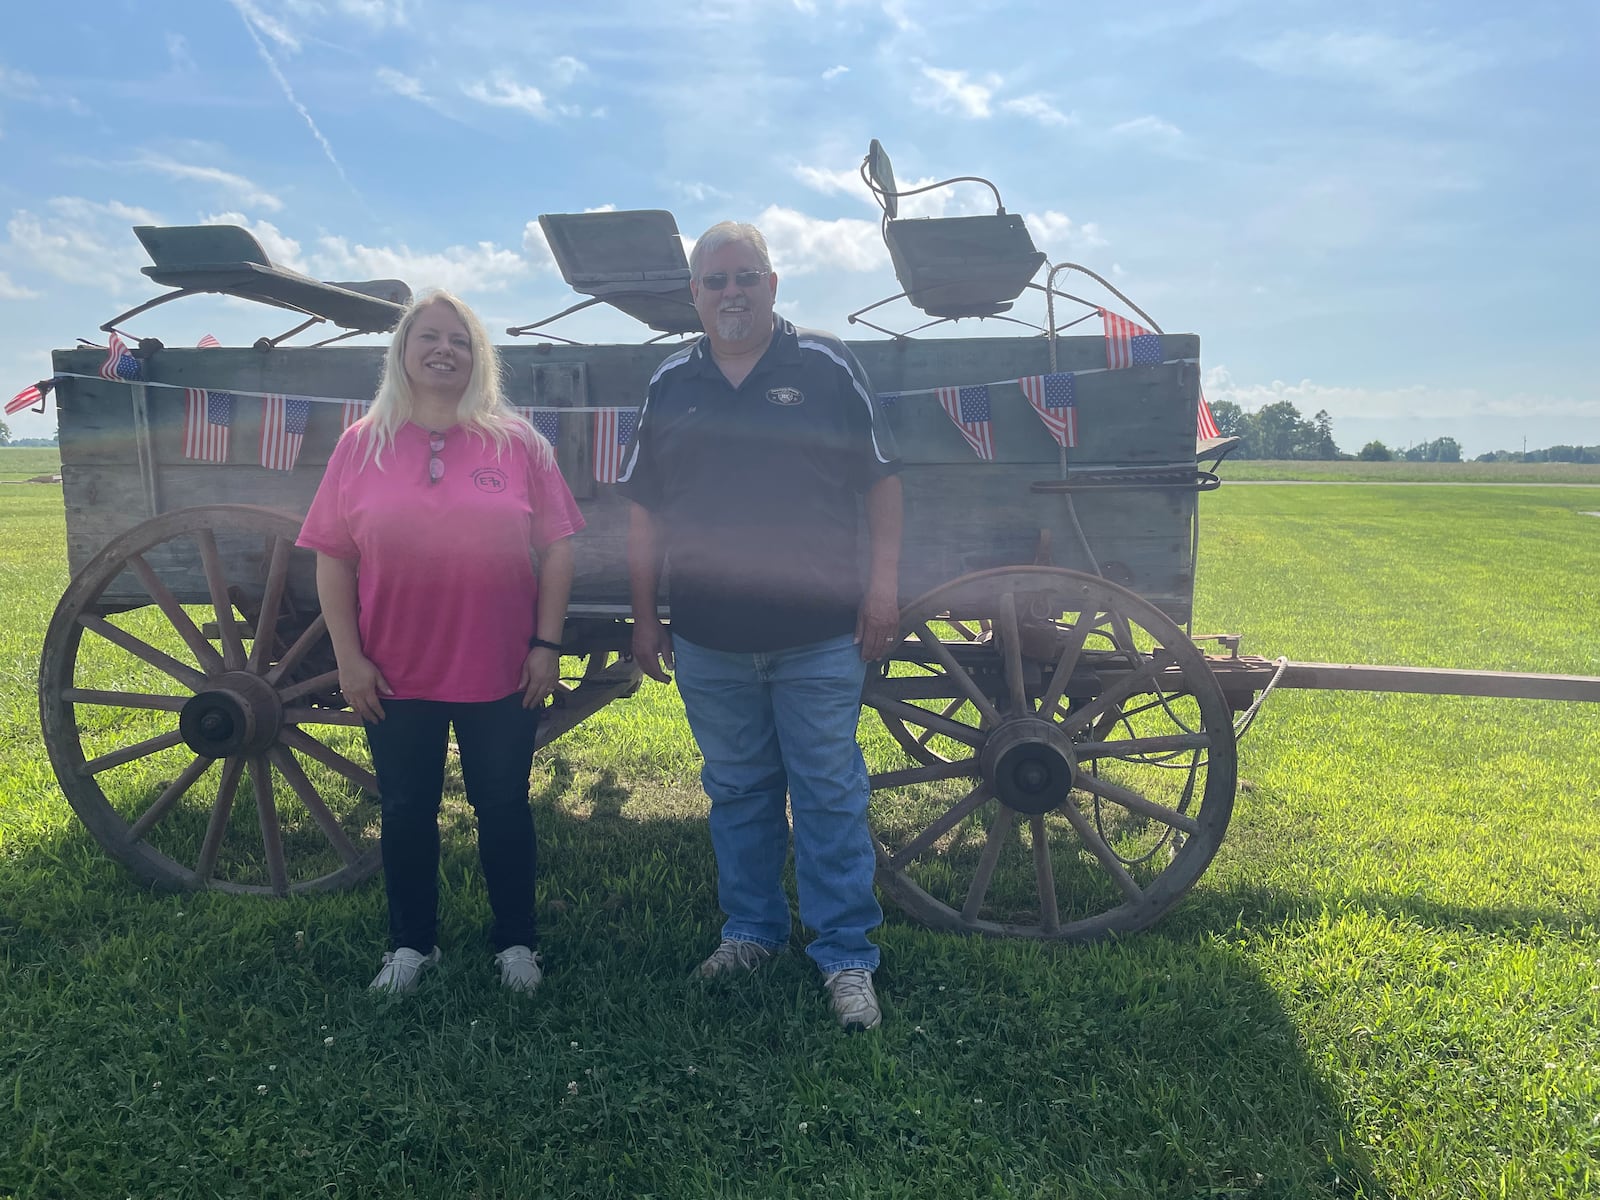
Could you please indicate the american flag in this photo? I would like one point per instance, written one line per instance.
(613, 430)
(1132, 345)
(207, 417)
(26, 398)
(208, 343)
(283, 428)
(120, 362)
(885, 399)
(968, 407)
(1053, 398)
(351, 411)
(548, 423)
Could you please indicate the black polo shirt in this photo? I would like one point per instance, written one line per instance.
(757, 489)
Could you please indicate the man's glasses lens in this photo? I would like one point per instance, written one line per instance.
(435, 463)
(718, 280)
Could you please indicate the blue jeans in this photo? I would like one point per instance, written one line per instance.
(408, 751)
(775, 723)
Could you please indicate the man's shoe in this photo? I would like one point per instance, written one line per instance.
(403, 968)
(734, 956)
(854, 1001)
(519, 968)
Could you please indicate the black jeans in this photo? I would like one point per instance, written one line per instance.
(408, 752)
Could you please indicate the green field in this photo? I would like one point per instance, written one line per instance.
(1387, 985)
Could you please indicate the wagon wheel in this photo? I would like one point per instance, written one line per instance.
(1075, 767)
(177, 688)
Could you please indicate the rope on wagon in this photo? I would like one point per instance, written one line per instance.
(1248, 716)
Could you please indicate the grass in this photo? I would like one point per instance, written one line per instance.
(1386, 985)
(1344, 471)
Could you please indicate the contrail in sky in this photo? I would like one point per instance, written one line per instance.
(288, 92)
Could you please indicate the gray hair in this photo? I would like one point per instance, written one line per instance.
(723, 233)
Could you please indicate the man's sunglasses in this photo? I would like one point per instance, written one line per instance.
(718, 280)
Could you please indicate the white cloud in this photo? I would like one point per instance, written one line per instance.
(505, 92)
(801, 244)
(566, 68)
(80, 242)
(1417, 401)
(241, 189)
(831, 181)
(178, 56)
(952, 90)
(1396, 65)
(259, 22)
(833, 73)
(484, 267)
(1040, 109)
(11, 290)
(1148, 128)
(402, 84)
(1055, 229)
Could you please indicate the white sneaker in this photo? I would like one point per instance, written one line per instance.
(519, 968)
(734, 955)
(403, 968)
(854, 1001)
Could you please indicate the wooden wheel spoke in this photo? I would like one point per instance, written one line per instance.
(1140, 747)
(1134, 802)
(913, 715)
(221, 602)
(932, 773)
(271, 602)
(999, 829)
(322, 716)
(302, 646)
(173, 792)
(211, 847)
(1116, 693)
(1045, 874)
(328, 681)
(315, 805)
(144, 651)
(941, 825)
(1071, 651)
(1097, 846)
(149, 746)
(204, 653)
(267, 817)
(958, 674)
(328, 757)
(1011, 653)
(148, 700)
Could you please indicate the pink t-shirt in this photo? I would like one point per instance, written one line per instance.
(446, 590)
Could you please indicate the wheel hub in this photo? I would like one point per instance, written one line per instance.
(239, 714)
(1029, 765)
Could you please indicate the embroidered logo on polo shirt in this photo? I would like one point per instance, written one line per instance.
(489, 479)
(785, 396)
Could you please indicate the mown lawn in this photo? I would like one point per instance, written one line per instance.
(1388, 984)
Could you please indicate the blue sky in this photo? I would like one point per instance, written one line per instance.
(1387, 211)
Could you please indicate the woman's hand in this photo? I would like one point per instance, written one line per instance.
(362, 683)
(540, 670)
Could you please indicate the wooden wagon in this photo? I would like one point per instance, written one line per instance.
(1060, 756)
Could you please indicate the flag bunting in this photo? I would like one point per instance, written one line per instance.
(120, 362)
(968, 407)
(283, 428)
(1054, 398)
(613, 430)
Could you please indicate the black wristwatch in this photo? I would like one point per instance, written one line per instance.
(537, 643)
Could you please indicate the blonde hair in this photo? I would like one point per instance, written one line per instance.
(483, 410)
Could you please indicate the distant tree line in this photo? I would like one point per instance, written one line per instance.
(7, 440)
(1276, 430)
(1566, 454)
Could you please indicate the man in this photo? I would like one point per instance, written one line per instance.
(754, 450)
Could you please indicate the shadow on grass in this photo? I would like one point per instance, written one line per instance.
(1159, 1065)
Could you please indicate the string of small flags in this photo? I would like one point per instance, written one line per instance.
(1129, 344)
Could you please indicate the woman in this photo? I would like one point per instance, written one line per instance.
(424, 526)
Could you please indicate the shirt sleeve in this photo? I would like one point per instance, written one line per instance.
(326, 528)
(555, 512)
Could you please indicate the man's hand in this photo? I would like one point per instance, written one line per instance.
(877, 623)
(362, 683)
(652, 649)
(539, 673)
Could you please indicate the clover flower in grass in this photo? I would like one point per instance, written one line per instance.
(261, 1089)
(572, 1087)
(327, 1041)
(805, 1126)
